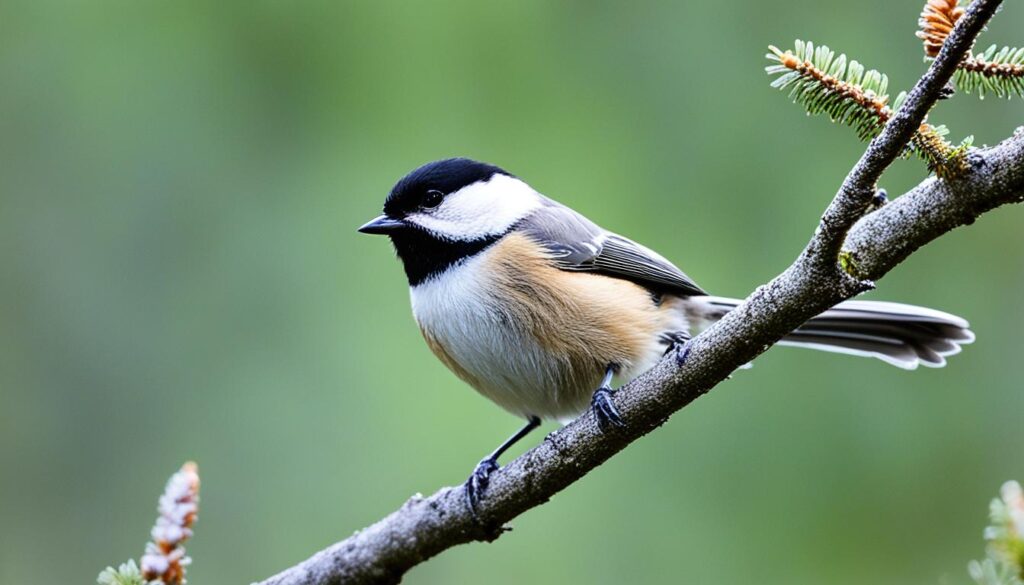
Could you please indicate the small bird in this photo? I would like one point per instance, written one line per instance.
(538, 308)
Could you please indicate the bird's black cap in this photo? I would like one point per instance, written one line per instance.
(447, 176)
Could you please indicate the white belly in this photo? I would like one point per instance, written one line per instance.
(504, 363)
(469, 322)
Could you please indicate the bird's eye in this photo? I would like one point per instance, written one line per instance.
(432, 199)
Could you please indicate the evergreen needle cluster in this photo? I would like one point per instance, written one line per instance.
(825, 84)
(996, 71)
(1005, 536)
(164, 561)
(855, 96)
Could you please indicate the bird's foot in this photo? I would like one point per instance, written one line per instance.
(477, 482)
(682, 352)
(678, 343)
(604, 409)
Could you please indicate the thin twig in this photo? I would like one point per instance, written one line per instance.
(854, 196)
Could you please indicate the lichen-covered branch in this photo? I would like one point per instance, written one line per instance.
(872, 244)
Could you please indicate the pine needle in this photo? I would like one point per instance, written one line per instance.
(852, 95)
(826, 84)
(997, 71)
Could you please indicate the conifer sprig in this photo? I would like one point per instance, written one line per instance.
(164, 561)
(857, 97)
(1005, 536)
(997, 71)
(824, 83)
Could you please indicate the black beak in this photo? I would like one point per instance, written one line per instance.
(382, 225)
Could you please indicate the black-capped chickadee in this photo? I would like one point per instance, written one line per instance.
(536, 307)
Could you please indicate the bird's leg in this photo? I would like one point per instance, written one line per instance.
(478, 480)
(602, 404)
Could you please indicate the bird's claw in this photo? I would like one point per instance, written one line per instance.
(604, 409)
(477, 482)
(682, 352)
(678, 343)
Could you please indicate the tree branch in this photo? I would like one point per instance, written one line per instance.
(856, 192)
(425, 527)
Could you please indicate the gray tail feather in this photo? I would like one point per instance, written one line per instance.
(902, 335)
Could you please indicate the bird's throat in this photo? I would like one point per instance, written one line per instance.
(424, 256)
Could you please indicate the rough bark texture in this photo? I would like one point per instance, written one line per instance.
(875, 243)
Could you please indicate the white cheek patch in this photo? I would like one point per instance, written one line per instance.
(481, 209)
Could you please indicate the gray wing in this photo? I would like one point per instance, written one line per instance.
(578, 244)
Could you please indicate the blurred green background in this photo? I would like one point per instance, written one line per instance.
(180, 278)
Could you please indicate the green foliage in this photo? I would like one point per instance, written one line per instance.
(843, 89)
(943, 158)
(127, 574)
(857, 97)
(996, 71)
(989, 572)
(1005, 536)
